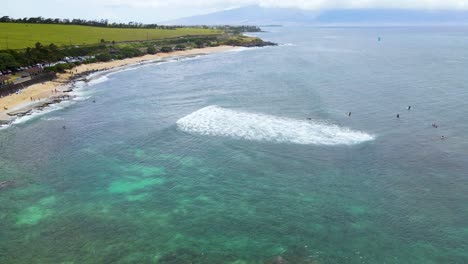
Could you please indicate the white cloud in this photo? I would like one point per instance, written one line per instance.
(150, 11)
(303, 4)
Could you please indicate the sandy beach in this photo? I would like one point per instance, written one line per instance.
(41, 93)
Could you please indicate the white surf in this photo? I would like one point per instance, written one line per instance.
(218, 121)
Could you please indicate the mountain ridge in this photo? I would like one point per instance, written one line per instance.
(256, 15)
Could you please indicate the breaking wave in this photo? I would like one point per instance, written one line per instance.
(93, 80)
(218, 121)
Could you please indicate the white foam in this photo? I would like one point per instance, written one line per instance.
(4, 126)
(98, 80)
(56, 118)
(239, 49)
(40, 112)
(218, 121)
(103, 76)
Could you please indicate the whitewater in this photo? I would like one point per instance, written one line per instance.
(218, 121)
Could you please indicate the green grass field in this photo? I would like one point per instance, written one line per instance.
(21, 36)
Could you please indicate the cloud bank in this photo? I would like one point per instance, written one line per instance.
(150, 11)
(302, 4)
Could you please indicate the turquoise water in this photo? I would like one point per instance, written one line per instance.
(213, 160)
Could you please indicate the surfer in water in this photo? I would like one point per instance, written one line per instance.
(442, 137)
(398, 116)
(434, 125)
(349, 114)
(409, 107)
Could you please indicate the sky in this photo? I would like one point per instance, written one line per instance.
(153, 11)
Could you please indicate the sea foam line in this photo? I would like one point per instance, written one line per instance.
(217, 121)
(103, 75)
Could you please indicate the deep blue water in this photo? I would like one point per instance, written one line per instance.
(213, 159)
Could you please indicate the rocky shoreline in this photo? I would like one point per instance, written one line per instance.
(59, 89)
(41, 105)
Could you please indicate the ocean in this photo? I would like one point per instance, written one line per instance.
(250, 156)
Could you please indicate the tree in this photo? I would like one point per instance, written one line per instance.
(38, 46)
(180, 47)
(102, 40)
(53, 47)
(199, 43)
(166, 49)
(151, 50)
(52, 53)
(7, 62)
(129, 52)
(5, 19)
(103, 57)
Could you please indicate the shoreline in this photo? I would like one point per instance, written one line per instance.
(41, 95)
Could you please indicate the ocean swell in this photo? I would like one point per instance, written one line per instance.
(218, 121)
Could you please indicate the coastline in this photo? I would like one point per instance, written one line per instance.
(40, 95)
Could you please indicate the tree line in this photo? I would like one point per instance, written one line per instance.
(82, 22)
(45, 54)
(106, 23)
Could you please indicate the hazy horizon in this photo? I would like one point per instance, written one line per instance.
(155, 11)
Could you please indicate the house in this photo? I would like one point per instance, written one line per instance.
(32, 72)
(4, 79)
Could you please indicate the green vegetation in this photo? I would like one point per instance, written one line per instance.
(166, 49)
(105, 23)
(82, 22)
(245, 41)
(59, 47)
(23, 35)
(151, 50)
(7, 62)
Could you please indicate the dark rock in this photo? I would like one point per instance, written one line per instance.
(6, 184)
(259, 43)
(4, 122)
